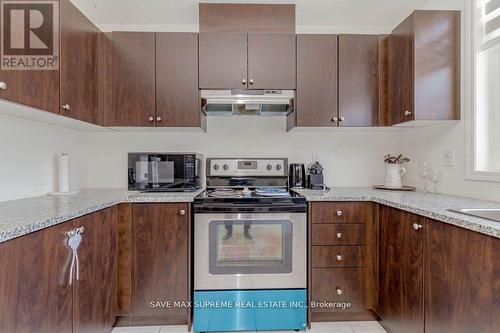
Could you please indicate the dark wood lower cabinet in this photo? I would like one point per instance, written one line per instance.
(36, 294)
(462, 293)
(154, 264)
(95, 291)
(342, 261)
(401, 271)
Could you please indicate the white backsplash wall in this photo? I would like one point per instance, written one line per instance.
(350, 157)
(28, 149)
(429, 144)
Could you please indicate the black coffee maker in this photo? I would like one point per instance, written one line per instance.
(297, 176)
(315, 179)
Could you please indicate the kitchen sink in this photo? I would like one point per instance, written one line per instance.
(491, 214)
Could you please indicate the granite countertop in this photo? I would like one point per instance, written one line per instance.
(21, 217)
(434, 206)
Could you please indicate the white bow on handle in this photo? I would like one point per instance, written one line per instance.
(74, 240)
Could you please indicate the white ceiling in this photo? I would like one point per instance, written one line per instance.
(339, 14)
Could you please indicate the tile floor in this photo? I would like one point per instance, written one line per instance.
(336, 327)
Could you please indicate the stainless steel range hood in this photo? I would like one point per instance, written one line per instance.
(247, 102)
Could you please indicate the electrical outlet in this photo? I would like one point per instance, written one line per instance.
(449, 158)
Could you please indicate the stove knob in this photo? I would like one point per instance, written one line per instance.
(216, 167)
(225, 167)
(278, 167)
(269, 167)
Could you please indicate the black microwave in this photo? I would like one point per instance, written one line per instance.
(164, 172)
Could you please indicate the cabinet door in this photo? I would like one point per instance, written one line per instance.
(462, 280)
(271, 61)
(35, 294)
(223, 60)
(160, 260)
(78, 64)
(35, 88)
(133, 78)
(95, 291)
(401, 106)
(358, 80)
(401, 265)
(177, 97)
(316, 101)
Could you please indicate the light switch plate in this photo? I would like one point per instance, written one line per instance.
(449, 158)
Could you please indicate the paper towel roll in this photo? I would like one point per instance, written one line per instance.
(64, 173)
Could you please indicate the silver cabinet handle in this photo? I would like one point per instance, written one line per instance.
(340, 213)
(158, 118)
(3, 86)
(182, 212)
(244, 81)
(407, 113)
(339, 257)
(251, 81)
(335, 119)
(66, 107)
(339, 235)
(339, 291)
(151, 118)
(417, 226)
(342, 118)
(74, 240)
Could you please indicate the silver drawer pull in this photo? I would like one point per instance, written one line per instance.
(340, 213)
(339, 235)
(66, 107)
(3, 86)
(417, 226)
(182, 212)
(339, 257)
(339, 291)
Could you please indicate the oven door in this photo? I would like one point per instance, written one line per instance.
(250, 251)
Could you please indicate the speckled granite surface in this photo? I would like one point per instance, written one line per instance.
(434, 206)
(21, 217)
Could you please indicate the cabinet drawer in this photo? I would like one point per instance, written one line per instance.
(338, 234)
(338, 290)
(337, 256)
(341, 212)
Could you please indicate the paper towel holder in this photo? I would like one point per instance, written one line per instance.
(63, 161)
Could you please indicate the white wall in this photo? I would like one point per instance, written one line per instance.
(28, 157)
(350, 158)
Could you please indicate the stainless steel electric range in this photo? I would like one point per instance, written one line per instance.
(249, 249)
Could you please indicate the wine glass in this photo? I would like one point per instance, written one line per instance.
(435, 177)
(423, 172)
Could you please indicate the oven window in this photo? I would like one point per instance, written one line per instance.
(250, 246)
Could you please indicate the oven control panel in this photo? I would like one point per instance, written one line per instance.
(258, 167)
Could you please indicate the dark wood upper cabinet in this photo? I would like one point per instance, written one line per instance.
(78, 64)
(462, 293)
(177, 96)
(95, 290)
(35, 88)
(316, 100)
(358, 80)
(35, 294)
(271, 61)
(246, 17)
(160, 264)
(133, 79)
(401, 271)
(424, 67)
(223, 60)
(247, 60)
